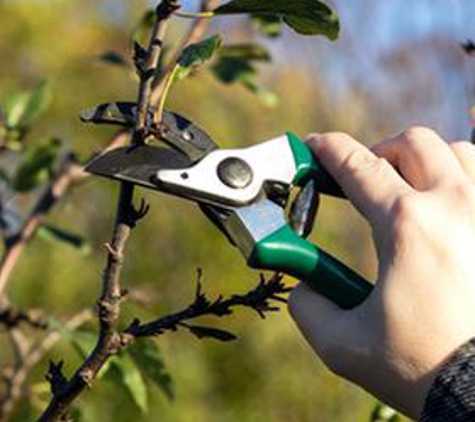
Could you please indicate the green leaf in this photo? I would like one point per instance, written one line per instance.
(36, 166)
(115, 59)
(124, 371)
(267, 97)
(83, 341)
(383, 413)
(237, 63)
(120, 113)
(23, 108)
(196, 55)
(147, 356)
(268, 25)
(248, 52)
(15, 105)
(230, 70)
(39, 100)
(208, 332)
(87, 411)
(50, 232)
(306, 17)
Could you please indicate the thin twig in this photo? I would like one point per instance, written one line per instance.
(259, 299)
(199, 15)
(27, 357)
(147, 73)
(195, 34)
(12, 317)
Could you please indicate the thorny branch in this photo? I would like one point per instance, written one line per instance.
(71, 174)
(108, 343)
(259, 299)
(110, 339)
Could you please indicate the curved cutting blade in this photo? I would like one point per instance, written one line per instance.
(137, 164)
(174, 129)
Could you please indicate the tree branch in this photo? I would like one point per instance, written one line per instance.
(195, 34)
(109, 340)
(147, 70)
(12, 317)
(27, 357)
(259, 299)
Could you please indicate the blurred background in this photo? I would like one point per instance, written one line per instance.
(396, 64)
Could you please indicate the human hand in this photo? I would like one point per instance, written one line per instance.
(418, 194)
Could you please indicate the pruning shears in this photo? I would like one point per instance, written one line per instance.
(244, 192)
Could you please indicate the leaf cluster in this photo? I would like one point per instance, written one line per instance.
(306, 17)
(29, 164)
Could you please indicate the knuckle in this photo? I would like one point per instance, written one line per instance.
(358, 161)
(463, 148)
(404, 212)
(462, 193)
(328, 139)
(418, 135)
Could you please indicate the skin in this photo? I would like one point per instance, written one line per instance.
(417, 192)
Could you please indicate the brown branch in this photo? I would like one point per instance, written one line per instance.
(12, 317)
(195, 34)
(109, 340)
(259, 299)
(67, 391)
(27, 357)
(55, 190)
(148, 70)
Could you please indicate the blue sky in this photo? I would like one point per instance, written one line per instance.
(376, 31)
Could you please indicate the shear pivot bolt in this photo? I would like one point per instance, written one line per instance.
(235, 173)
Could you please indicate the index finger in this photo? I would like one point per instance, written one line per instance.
(369, 182)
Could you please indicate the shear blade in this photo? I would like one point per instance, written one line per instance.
(137, 164)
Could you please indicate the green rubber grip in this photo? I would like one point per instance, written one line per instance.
(308, 167)
(284, 251)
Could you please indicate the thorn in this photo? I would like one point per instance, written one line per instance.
(114, 254)
(262, 279)
(261, 313)
(279, 299)
(137, 214)
(133, 326)
(109, 248)
(56, 377)
(199, 282)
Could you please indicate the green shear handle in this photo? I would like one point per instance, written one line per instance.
(285, 251)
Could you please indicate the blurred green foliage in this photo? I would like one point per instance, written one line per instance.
(269, 373)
